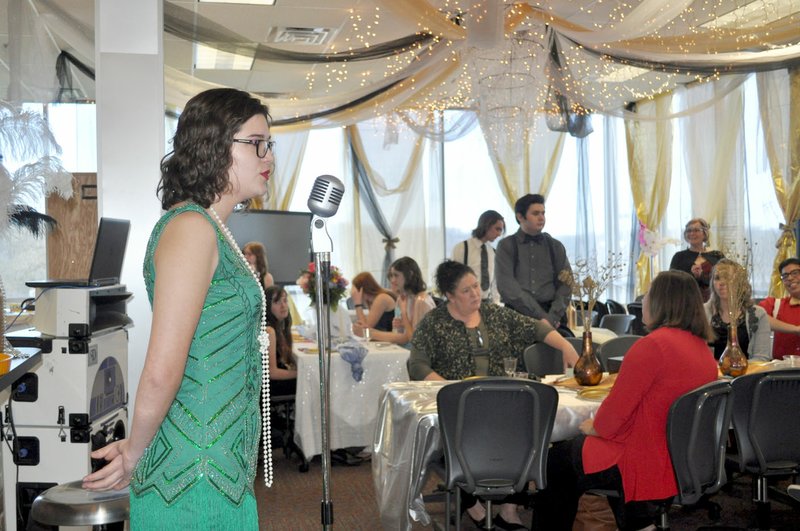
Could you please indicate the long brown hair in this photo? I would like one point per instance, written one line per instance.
(675, 301)
(262, 265)
(283, 329)
(367, 283)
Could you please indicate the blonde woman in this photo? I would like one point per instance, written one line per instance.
(256, 256)
(753, 322)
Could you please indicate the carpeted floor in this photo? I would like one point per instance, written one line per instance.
(293, 502)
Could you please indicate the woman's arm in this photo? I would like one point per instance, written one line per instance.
(185, 260)
(383, 303)
(276, 372)
(759, 347)
(568, 354)
(268, 280)
(399, 338)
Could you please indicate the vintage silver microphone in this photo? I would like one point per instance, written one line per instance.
(323, 202)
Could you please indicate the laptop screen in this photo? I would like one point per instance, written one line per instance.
(109, 250)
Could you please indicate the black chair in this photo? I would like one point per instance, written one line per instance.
(284, 406)
(767, 429)
(577, 343)
(619, 323)
(595, 318)
(615, 307)
(638, 328)
(697, 433)
(614, 348)
(697, 430)
(495, 432)
(542, 359)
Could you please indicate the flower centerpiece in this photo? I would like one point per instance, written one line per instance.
(337, 285)
(587, 281)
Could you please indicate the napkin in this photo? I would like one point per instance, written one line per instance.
(353, 353)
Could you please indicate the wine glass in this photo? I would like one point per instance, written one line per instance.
(509, 366)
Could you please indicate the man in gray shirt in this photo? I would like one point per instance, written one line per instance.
(527, 265)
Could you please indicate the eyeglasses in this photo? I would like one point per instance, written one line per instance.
(794, 273)
(693, 230)
(262, 146)
(480, 337)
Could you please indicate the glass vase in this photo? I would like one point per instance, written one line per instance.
(733, 361)
(587, 369)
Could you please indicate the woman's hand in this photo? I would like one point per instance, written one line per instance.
(117, 472)
(358, 328)
(357, 294)
(697, 270)
(569, 355)
(587, 427)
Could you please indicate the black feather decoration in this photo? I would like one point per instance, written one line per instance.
(28, 218)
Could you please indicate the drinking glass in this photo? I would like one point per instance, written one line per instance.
(509, 366)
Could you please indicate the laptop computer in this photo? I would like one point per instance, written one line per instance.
(109, 253)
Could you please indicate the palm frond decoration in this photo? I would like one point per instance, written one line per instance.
(25, 136)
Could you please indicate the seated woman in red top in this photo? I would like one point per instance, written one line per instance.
(625, 446)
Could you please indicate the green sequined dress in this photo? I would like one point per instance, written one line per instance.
(199, 470)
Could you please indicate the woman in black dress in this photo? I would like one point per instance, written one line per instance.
(697, 260)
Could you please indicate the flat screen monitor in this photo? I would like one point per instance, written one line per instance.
(286, 236)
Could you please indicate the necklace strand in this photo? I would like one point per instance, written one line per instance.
(263, 344)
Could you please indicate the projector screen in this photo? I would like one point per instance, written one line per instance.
(285, 235)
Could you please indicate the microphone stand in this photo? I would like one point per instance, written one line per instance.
(322, 245)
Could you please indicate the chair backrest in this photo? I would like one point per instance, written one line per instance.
(616, 346)
(593, 316)
(619, 323)
(765, 420)
(615, 307)
(496, 432)
(577, 344)
(697, 431)
(542, 359)
(638, 328)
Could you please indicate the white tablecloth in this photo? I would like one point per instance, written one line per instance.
(353, 405)
(407, 439)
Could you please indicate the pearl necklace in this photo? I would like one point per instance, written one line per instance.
(263, 347)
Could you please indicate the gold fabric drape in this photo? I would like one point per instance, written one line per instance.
(779, 106)
(650, 166)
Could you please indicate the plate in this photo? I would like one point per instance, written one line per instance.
(594, 394)
(380, 344)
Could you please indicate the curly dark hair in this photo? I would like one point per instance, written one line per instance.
(412, 275)
(197, 168)
(449, 274)
(283, 329)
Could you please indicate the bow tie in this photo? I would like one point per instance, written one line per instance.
(535, 239)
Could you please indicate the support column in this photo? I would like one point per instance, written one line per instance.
(130, 142)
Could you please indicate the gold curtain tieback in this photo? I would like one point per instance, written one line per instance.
(390, 243)
(787, 232)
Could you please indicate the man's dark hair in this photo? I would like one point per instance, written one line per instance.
(788, 261)
(523, 203)
(485, 222)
